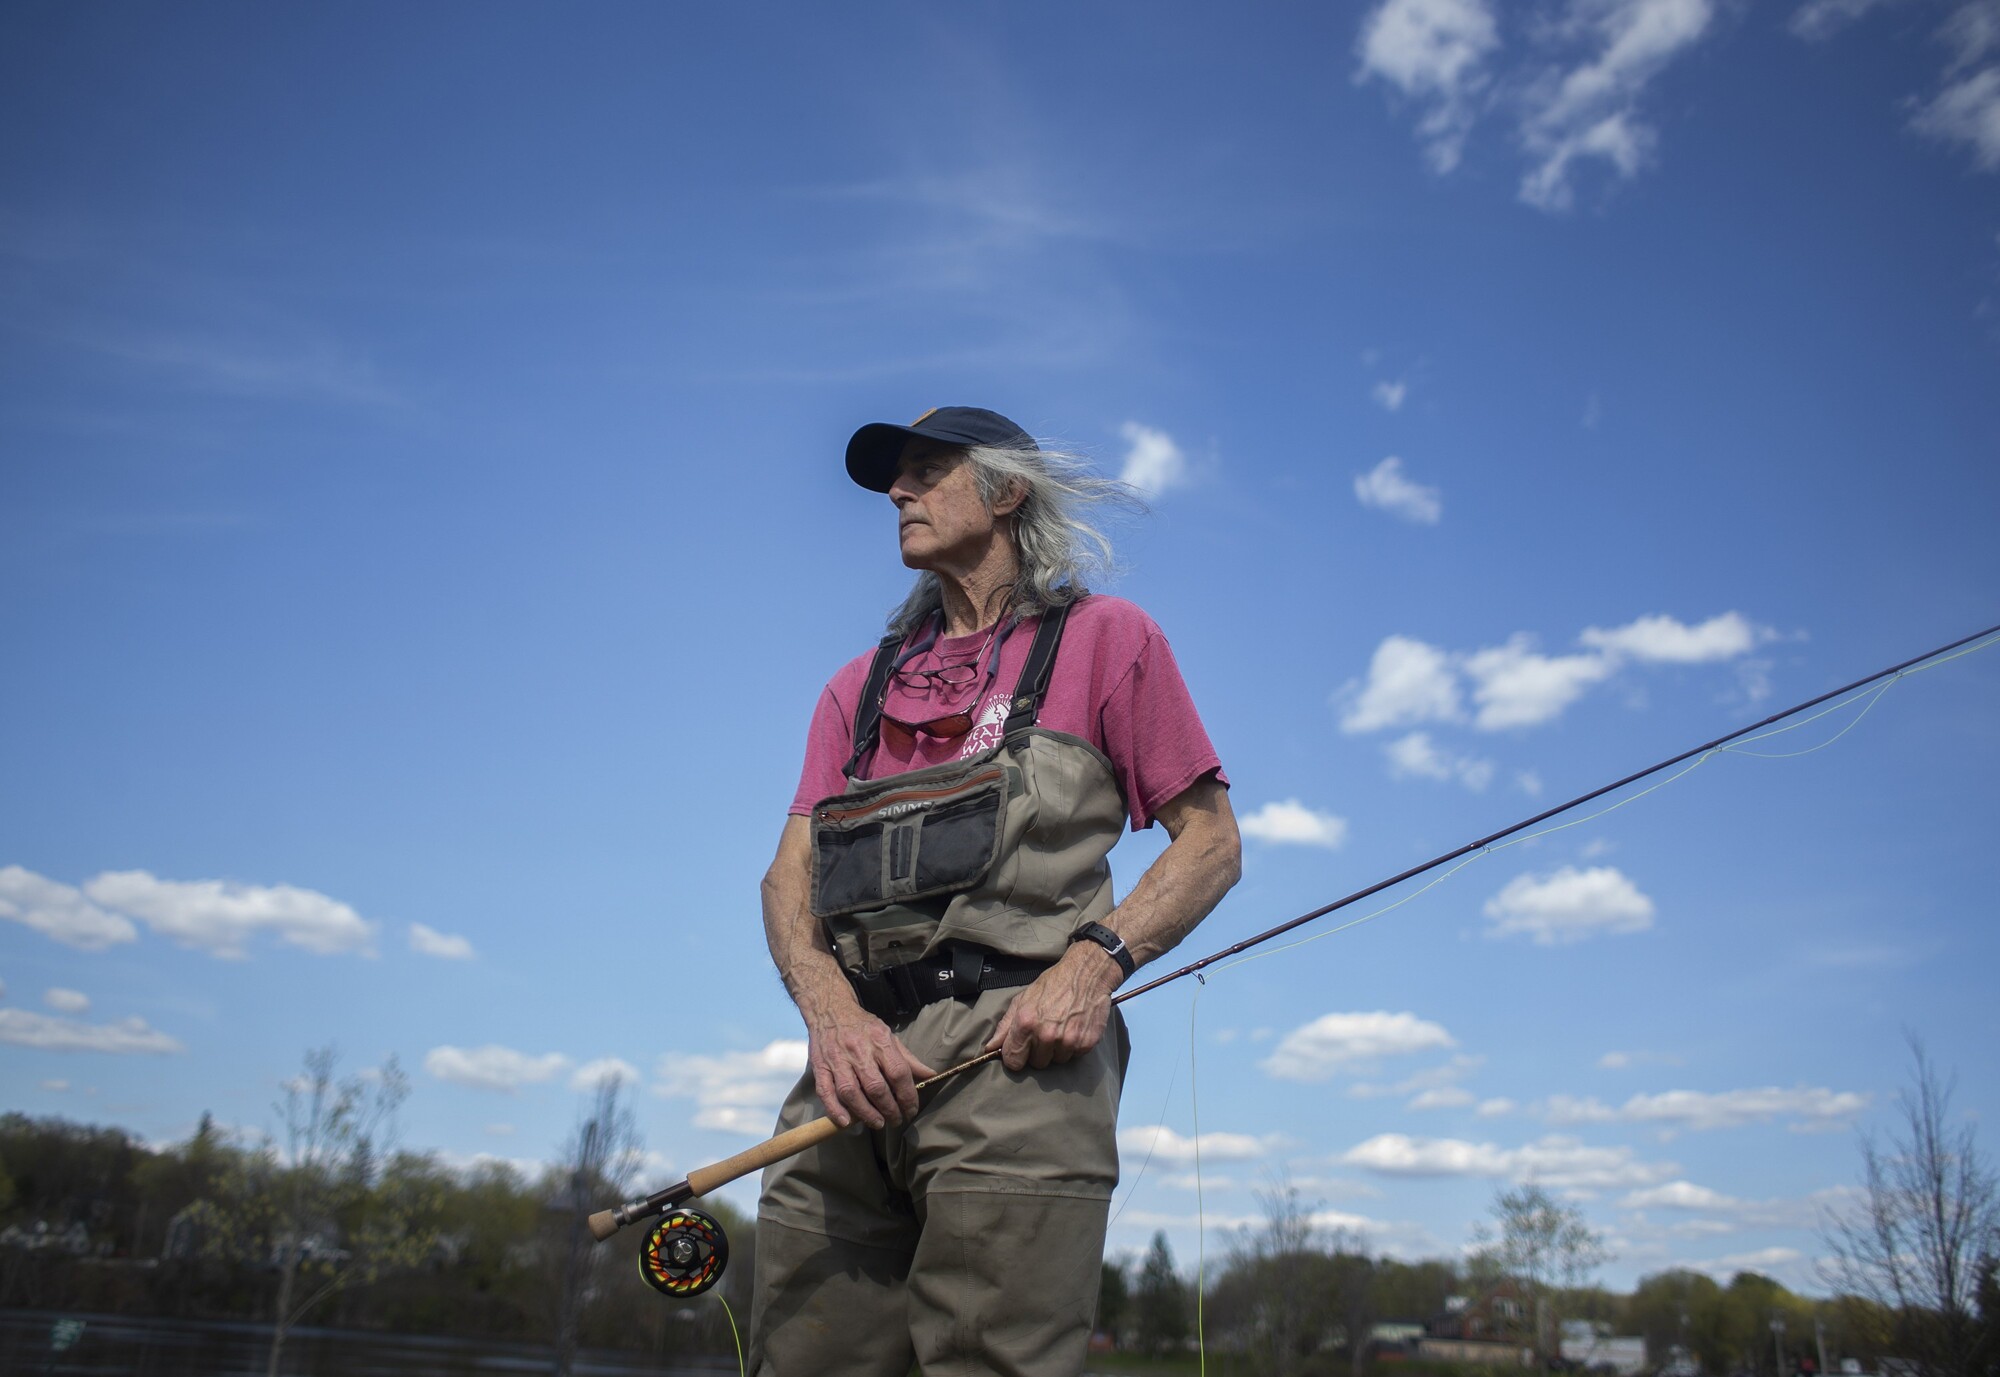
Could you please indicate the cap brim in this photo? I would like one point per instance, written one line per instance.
(876, 449)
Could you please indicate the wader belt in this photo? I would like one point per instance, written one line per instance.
(1021, 712)
(960, 971)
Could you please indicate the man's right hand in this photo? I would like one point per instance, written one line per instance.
(860, 1070)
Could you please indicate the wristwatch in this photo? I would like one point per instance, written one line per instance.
(1111, 942)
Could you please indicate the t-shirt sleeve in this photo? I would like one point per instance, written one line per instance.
(1152, 733)
(828, 741)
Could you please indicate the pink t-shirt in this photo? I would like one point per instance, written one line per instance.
(1115, 684)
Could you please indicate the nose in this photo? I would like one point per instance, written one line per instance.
(902, 490)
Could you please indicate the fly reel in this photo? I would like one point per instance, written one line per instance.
(684, 1254)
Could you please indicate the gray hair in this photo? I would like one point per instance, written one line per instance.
(1056, 542)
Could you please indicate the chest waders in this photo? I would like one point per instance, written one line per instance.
(971, 875)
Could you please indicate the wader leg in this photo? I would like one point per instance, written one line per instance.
(826, 1306)
(1005, 1283)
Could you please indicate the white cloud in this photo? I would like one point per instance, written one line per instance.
(1333, 1043)
(1292, 822)
(428, 941)
(1820, 19)
(66, 1001)
(1661, 639)
(1390, 395)
(1967, 111)
(1496, 1107)
(1528, 782)
(221, 917)
(493, 1067)
(1763, 1260)
(1154, 463)
(1434, 52)
(1384, 487)
(1679, 1195)
(1515, 686)
(58, 911)
(1416, 755)
(1554, 1161)
(1615, 1061)
(1809, 1106)
(1165, 1145)
(1591, 109)
(48, 1033)
(1442, 1097)
(1409, 682)
(735, 1092)
(1569, 906)
(594, 1073)
(55, 1087)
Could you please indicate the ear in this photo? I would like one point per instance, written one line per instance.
(1010, 501)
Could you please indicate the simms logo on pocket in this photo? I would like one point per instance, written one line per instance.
(897, 810)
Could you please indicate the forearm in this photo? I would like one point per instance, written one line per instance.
(798, 945)
(1187, 880)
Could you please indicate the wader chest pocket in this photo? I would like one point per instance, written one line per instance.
(912, 836)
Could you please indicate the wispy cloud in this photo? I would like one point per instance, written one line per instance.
(1335, 1043)
(1808, 1108)
(57, 911)
(51, 1033)
(493, 1067)
(1290, 823)
(1589, 108)
(1435, 53)
(428, 941)
(1965, 106)
(592, 1074)
(1386, 489)
(1514, 685)
(1165, 1145)
(1417, 756)
(1568, 906)
(1153, 462)
(1554, 1161)
(1389, 395)
(1576, 86)
(66, 1001)
(735, 1092)
(222, 917)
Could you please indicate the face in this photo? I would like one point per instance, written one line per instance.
(942, 522)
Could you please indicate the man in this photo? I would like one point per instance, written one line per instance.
(940, 890)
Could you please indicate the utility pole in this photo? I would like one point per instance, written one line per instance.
(1819, 1337)
(1778, 1342)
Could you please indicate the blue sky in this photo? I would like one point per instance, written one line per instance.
(423, 537)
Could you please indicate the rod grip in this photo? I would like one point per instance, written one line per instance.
(603, 1224)
(786, 1144)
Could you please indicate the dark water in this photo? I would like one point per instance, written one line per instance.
(185, 1348)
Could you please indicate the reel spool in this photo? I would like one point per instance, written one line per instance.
(684, 1254)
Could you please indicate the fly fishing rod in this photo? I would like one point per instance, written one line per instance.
(684, 1254)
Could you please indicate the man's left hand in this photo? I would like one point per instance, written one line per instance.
(1063, 1014)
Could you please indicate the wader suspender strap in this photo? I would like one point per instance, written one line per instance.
(1034, 683)
(868, 716)
(1026, 706)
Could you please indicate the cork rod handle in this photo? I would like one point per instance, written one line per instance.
(794, 1140)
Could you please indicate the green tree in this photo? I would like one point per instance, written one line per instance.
(1160, 1302)
(1544, 1248)
(328, 1213)
(598, 1162)
(1113, 1299)
(1926, 1228)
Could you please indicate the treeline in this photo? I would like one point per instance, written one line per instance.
(1289, 1299)
(330, 1231)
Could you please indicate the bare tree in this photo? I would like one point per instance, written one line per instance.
(1925, 1232)
(1543, 1248)
(598, 1163)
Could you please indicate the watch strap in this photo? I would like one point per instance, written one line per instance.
(1111, 942)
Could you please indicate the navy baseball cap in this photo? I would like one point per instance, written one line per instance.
(874, 450)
